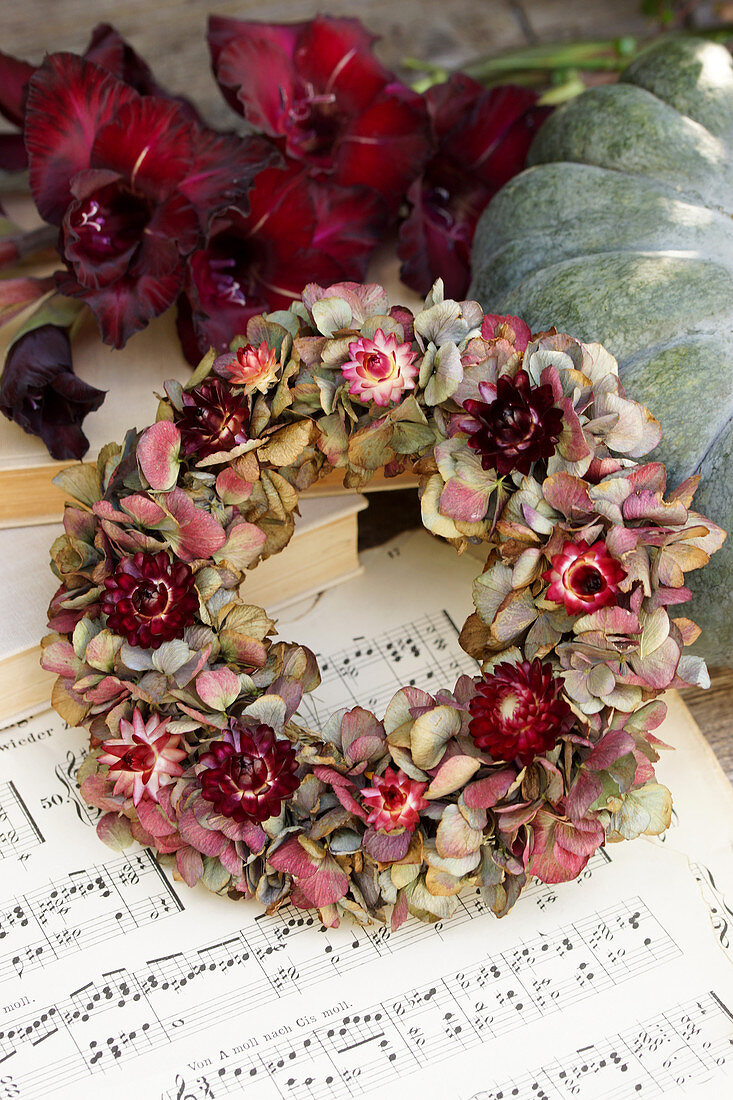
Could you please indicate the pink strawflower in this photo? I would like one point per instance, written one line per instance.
(583, 578)
(380, 369)
(394, 801)
(251, 367)
(145, 757)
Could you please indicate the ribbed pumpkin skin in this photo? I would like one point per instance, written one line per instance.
(621, 231)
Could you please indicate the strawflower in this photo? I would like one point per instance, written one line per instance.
(149, 599)
(517, 712)
(380, 370)
(214, 419)
(394, 801)
(516, 425)
(248, 773)
(144, 758)
(584, 578)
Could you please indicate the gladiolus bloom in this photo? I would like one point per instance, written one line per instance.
(480, 139)
(297, 231)
(144, 758)
(394, 801)
(517, 712)
(131, 181)
(380, 369)
(41, 393)
(317, 88)
(583, 578)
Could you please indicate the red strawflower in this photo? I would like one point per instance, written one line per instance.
(144, 758)
(394, 801)
(583, 578)
(297, 231)
(131, 181)
(214, 419)
(480, 140)
(248, 773)
(517, 424)
(149, 599)
(517, 712)
(319, 90)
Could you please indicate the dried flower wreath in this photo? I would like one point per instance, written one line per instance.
(527, 443)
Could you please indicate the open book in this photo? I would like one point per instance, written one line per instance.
(115, 979)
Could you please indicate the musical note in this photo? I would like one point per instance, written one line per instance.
(368, 672)
(83, 908)
(19, 833)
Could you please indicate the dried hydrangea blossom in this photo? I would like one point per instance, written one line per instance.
(526, 443)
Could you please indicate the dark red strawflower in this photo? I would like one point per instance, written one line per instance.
(214, 418)
(249, 773)
(583, 578)
(517, 713)
(317, 88)
(150, 599)
(480, 140)
(519, 426)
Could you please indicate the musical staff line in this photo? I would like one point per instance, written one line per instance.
(124, 1013)
(384, 1043)
(85, 907)
(424, 653)
(19, 833)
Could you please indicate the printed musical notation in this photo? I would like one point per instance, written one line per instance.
(124, 1013)
(395, 1039)
(83, 908)
(721, 910)
(682, 1046)
(424, 653)
(19, 833)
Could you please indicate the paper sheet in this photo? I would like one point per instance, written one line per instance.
(115, 980)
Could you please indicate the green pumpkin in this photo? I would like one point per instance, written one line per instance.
(621, 232)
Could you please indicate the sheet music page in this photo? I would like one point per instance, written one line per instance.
(116, 980)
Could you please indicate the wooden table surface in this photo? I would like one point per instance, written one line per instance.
(171, 35)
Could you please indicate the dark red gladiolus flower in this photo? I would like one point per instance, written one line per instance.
(297, 231)
(131, 181)
(14, 77)
(149, 599)
(481, 139)
(41, 393)
(106, 48)
(519, 426)
(214, 418)
(584, 578)
(318, 89)
(518, 713)
(248, 773)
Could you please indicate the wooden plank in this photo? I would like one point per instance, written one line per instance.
(713, 712)
(171, 35)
